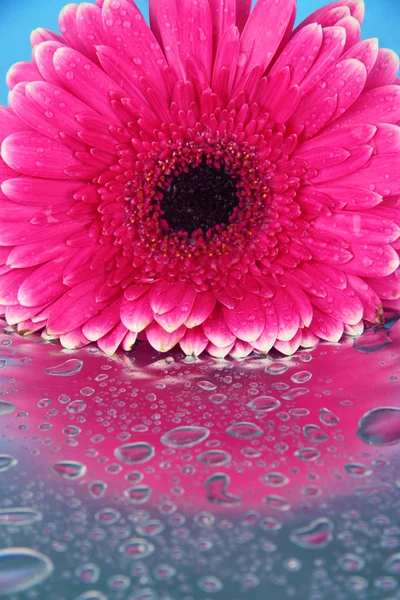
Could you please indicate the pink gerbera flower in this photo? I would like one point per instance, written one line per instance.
(216, 180)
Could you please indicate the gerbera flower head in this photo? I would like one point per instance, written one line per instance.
(216, 180)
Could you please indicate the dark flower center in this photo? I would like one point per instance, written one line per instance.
(200, 198)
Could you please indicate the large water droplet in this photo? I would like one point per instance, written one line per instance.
(277, 502)
(315, 434)
(69, 367)
(135, 454)
(244, 430)
(217, 486)
(207, 385)
(392, 564)
(315, 536)
(7, 462)
(301, 377)
(6, 408)
(137, 548)
(373, 340)
(263, 404)
(19, 516)
(185, 437)
(22, 568)
(214, 458)
(138, 494)
(380, 426)
(69, 469)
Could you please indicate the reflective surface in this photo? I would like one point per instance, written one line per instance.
(160, 477)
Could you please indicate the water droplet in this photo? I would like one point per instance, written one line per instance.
(7, 462)
(357, 470)
(380, 426)
(263, 404)
(137, 548)
(392, 564)
(352, 563)
(314, 536)
(107, 516)
(138, 494)
(69, 367)
(301, 377)
(88, 573)
(185, 437)
(164, 572)
(207, 385)
(244, 430)
(214, 458)
(217, 398)
(97, 489)
(373, 340)
(22, 568)
(307, 454)
(293, 393)
(275, 479)
(150, 528)
(276, 368)
(76, 407)
(69, 469)
(134, 454)
(6, 408)
(217, 493)
(277, 502)
(315, 434)
(327, 417)
(92, 595)
(210, 584)
(19, 516)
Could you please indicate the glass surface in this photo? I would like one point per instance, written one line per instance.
(159, 477)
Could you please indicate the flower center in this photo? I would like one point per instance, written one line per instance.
(199, 198)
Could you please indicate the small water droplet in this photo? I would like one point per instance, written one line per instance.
(307, 454)
(138, 494)
(357, 470)
(327, 417)
(97, 489)
(207, 385)
(135, 454)
(352, 563)
(301, 377)
(275, 479)
(315, 434)
(69, 469)
(373, 340)
(277, 503)
(137, 548)
(217, 486)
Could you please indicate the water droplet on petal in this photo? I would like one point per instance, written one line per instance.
(301, 377)
(97, 489)
(134, 454)
(277, 503)
(380, 426)
(69, 367)
(22, 568)
(185, 437)
(315, 536)
(352, 563)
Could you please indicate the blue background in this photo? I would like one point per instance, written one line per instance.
(19, 17)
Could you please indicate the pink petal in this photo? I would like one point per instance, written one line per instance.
(385, 69)
(10, 283)
(194, 342)
(10, 211)
(223, 14)
(129, 341)
(302, 303)
(305, 44)
(341, 305)
(74, 339)
(29, 326)
(243, 8)
(354, 330)
(44, 285)
(69, 29)
(353, 31)
(366, 52)
(195, 32)
(387, 288)
(387, 139)
(226, 62)
(175, 318)
(165, 295)
(247, 320)
(309, 340)
(9, 123)
(103, 322)
(219, 352)
(90, 28)
(41, 34)
(203, 306)
(382, 175)
(34, 154)
(80, 75)
(74, 308)
(288, 315)
(241, 349)
(372, 261)
(165, 20)
(268, 337)
(24, 233)
(333, 42)
(161, 340)
(28, 113)
(27, 191)
(349, 226)
(263, 34)
(355, 198)
(136, 315)
(326, 328)
(356, 8)
(372, 307)
(111, 342)
(43, 55)
(291, 346)
(17, 313)
(126, 30)
(217, 330)
(380, 105)
(22, 71)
